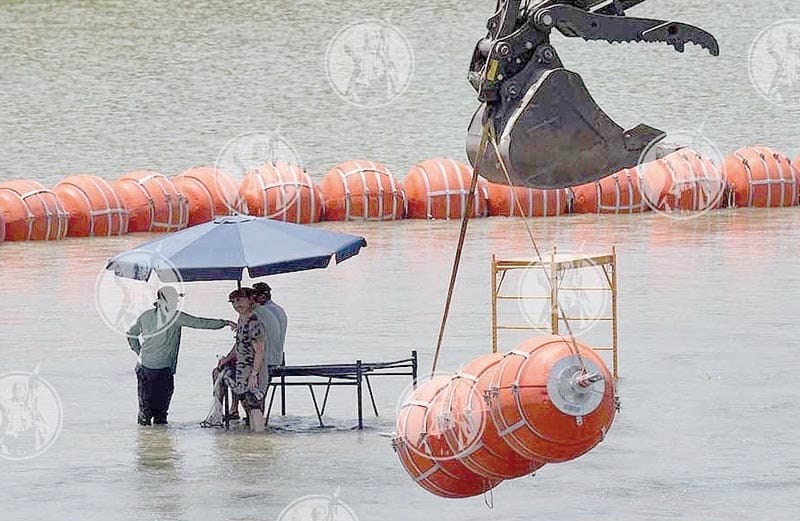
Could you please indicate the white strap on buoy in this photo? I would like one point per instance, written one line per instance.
(169, 192)
(378, 173)
(111, 208)
(58, 213)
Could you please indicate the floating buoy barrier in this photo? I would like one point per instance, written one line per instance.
(438, 189)
(682, 181)
(552, 399)
(210, 193)
(94, 208)
(761, 177)
(506, 200)
(32, 212)
(362, 191)
(618, 193)
(281, 191)
(152, 201)
(472, 435)
(416, 445)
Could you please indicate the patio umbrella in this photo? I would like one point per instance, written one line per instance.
(222, 249)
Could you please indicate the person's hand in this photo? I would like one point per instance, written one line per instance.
(252, 381)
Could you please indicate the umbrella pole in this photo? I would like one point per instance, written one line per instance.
(239, 284)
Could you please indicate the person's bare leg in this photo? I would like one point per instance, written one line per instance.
(256, 420)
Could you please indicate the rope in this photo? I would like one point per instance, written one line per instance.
(462, 236)
(573, 342)
(489, 135)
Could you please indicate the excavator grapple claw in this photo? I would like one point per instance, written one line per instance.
(545, 130)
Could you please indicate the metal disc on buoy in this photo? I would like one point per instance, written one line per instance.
(576, 389)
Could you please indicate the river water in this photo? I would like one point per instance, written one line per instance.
(708, 306)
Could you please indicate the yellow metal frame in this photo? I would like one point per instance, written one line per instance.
(554, 264)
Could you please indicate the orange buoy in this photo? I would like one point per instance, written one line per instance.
(438, 189)
(761, 177)
(94, 208)
(681, 181)
(416, 446)
(471, 434)
(550, 401)
(619, 192)
(152, 201)
(32, 212)
(210, 193)
(362, 190)
(535, 203)
(281, 191)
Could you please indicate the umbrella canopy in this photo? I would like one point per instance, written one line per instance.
(223, 248)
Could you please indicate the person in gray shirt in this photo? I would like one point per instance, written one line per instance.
(156, 338)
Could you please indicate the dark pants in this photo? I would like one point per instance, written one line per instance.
(155, 393)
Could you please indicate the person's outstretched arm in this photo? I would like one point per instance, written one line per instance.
(204, 323)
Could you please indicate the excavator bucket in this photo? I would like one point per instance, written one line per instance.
(537, 125)
(556, 136)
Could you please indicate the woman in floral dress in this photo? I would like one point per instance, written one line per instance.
(249, 357)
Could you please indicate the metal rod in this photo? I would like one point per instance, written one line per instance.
(283, 395)
(584, 289)
(325, 399)
(523, 297)
(553, 294)
(526, 328)
(358, 391)
(589, 318)
(614, 323)
(495, 291)
(316, 408)
(414, 369)
(371, 396)
(269, 408)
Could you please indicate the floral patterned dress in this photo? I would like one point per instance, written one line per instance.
(248, 332)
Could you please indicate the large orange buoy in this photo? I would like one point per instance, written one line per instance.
(210, 193)
(762, 177)
(362, 190)
(618, 193)
(471, 434)
(438, 189)
(681, 181)
(281, 191)
(415, 446)
(535, 203)
(94, 208)
(550, 401)
(32, 212)
(153, 202)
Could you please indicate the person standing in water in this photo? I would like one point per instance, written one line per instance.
(250, 347)
(276, 334)
(156, 338)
